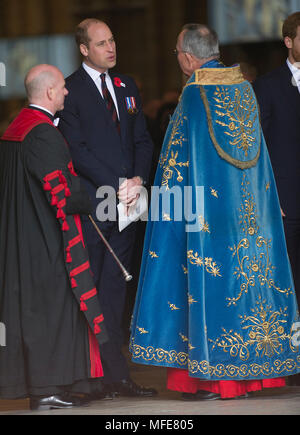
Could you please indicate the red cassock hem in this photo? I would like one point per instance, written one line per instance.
(95, 358)
(179, 380)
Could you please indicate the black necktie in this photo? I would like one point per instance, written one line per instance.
(109, 102)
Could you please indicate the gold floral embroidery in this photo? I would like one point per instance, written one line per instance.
(184, 338)
(185, 270)
(214, 193)
(240, 126)
(204, 225)
(255, 271)
(142, 330)
(210, 266)
(153, 254)
(171, 165)
(191, 300)
(248, 218)
(266, 333)
(173, 307)
(238, 115)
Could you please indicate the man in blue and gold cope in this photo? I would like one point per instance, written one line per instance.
(216, 303)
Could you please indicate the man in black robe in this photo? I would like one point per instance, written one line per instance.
(48, 300)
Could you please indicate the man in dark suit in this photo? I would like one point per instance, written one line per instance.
(279, 100)
(105, 128)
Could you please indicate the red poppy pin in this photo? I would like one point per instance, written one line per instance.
(118, 82)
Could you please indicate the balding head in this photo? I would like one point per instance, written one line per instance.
(82, 31)
(38, 79)
(44, 86)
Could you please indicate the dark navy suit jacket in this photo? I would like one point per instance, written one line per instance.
(279, 102)
(100, 155)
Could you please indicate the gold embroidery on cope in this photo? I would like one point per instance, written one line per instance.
(239, 124)
(172, 357)
(238, 116)
(173, 307)
(171, 165)
(191, 300)
(204, 225)
(255, 271)
(215, 76)
(142, 330)
(210, 266)
(214, 192)
(266, 332)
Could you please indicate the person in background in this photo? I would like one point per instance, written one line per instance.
(278, 96)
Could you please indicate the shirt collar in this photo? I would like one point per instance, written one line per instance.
(41, 108)
(93, 73)
(293, 68)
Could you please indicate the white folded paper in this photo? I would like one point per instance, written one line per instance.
(138, 211)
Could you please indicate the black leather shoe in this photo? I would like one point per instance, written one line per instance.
(128, 388)
(200, 395)
(61, 401)
(189, 397)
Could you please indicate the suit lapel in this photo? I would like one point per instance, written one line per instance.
(92, 88)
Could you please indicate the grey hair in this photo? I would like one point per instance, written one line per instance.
(200, 41)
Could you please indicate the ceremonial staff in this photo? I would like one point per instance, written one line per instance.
(126, 275)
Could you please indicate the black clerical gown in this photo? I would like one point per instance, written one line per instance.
(48, 302)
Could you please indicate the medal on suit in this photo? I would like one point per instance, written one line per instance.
(131, 105)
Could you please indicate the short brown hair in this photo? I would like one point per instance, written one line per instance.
(290, 26)
(81, 34)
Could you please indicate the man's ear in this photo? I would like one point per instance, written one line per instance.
(193, 62)
(190, 60)
(50, 94)
(288, 42)
(84, 50)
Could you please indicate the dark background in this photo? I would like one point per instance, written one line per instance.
(145, 31)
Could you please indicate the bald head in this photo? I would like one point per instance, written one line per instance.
(38, 80)
(44, 85)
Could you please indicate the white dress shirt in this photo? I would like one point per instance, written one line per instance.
(296, 74)
(95, 76)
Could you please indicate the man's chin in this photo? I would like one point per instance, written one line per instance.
(112, 64)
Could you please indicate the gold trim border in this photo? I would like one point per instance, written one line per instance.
(217, 76)
(223, 154)
(161, 357)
